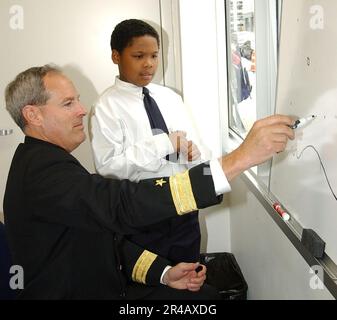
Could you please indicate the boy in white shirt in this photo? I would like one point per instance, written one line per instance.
(127, 144)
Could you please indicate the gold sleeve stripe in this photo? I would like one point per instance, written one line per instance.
(142, 266)
(182, 193)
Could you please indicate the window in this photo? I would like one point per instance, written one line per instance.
(252, 61)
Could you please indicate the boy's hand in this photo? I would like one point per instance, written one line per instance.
(178, 140)
(193, 151)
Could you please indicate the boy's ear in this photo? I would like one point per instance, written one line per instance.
(32, 115)
(115, 56)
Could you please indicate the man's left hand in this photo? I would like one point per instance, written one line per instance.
(184, 277)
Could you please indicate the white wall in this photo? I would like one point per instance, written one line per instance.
(200, 68)
(75, 35)
(271, 265)
(204, 90)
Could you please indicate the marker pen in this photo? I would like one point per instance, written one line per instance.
(302, 122)
(285, 216)
(198, 269)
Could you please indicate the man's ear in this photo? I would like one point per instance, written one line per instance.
(32, 115)
(115, 56)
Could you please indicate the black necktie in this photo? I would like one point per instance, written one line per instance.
(156, 120)
(155, 117)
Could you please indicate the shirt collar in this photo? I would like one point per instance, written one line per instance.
(129, 87)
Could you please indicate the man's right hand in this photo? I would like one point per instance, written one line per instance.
(267, 137)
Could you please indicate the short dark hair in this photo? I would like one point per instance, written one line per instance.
(126, 30)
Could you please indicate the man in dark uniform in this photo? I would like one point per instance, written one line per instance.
(66, 227)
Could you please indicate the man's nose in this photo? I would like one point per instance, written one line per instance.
(82, 109)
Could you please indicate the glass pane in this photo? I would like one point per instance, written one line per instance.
(242, 64)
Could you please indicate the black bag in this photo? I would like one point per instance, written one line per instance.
(223, 273)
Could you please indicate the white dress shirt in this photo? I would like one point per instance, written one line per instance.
(123, 144)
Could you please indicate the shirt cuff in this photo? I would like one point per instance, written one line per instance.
(162, 275)
(221, 184)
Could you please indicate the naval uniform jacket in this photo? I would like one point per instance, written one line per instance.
(66, 226)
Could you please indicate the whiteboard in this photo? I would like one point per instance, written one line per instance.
(307, 85)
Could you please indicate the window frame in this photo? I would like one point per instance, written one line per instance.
(267, 17)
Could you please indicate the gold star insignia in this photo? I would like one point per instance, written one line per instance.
(160, 182)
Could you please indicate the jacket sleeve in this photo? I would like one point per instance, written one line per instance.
(141, 265)
(61, 191)
(114, 158)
